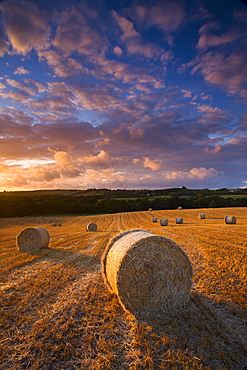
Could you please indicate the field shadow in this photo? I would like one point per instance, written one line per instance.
(80, 261)
(215, 333)
(214, 218)
(107, 231)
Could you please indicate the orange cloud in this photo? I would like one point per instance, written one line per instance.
(100, 160)
(153, 164)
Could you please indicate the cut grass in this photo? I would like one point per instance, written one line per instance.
(56, 312)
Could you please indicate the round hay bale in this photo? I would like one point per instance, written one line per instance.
(149, 273)
(59, 224)
(179, 220)
(163, 222)
(150, 209)
(230, 220)
(180, 207)
(54, 224)
(201, 216)
(91, 227)
(154, 219)
(32, 239)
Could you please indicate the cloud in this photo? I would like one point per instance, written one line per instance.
(43, 173)
(147, 49)
(108, 109)
(213, 150)
(21, 71)
(2, 86)
(117, 50)
(127, 27)
(39, 86)
(16, 96)
(229, 72)
(13, 181)
(3, 167)
(63, 66)
(3, 43)
(19, 86)
(186, 93)
(200, 174)
(101, 160)
(76, 33)
(203, 173)
(98, 99)
(134, 43)
(62, 158)
(153, 164)
(167, 15)
(25, 25)
(209, 40)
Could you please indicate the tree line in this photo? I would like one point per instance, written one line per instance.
(95, 201)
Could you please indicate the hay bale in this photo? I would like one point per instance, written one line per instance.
(91, 227)
(201, 216)
(149, 273)
(163, 222)
(33, 239)
(179, 220)
(54, 224)
(180, 207)
(230, 220)
(154, 219)
(150, 209)
(59, 224)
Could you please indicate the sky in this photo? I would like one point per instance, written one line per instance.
(123, 94)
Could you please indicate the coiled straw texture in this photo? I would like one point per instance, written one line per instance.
(149, 273)
(33, 239)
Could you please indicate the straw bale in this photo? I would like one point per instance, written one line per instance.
(91, 227)
(154, 219)
(54, 224)
(201, 216)
(230, 220)
(59, 224)
(163, 222)
(179, 220)
(149, 273)
(32, 239)
(150, 209)
(180, 207)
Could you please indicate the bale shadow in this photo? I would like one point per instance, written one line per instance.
(214, 334)
(80, 261)
(107, 231)
(214, 218)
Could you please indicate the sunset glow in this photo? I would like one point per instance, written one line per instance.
(123, 94)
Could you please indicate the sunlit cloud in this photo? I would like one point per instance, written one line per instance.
(21, 71)
(153, 164)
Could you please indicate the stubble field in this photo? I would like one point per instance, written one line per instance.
(57, 313)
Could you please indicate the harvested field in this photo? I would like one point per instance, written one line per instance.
(57, 313)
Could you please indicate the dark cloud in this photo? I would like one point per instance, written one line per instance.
(25, 25)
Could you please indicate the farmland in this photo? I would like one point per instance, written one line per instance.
(57, 313)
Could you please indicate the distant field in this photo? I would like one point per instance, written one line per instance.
(234, 196)
(56, 312)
